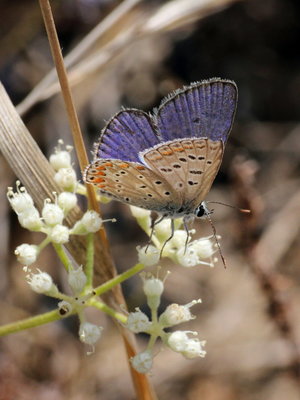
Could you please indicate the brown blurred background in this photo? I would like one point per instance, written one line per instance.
(250, 312)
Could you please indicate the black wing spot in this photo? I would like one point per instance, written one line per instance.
(183, 159)
(141, 176)
(167, 193)
(176, 166)
(196, 120)
(143, 186)
(149, 195)
(201, 158)
(196, 171)
(127, 199)
(158, 182)
(191, 157)
(208, 162)
(123, 172)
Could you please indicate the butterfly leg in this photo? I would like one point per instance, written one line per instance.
(153, 223)
(186, 228)
(172, 234)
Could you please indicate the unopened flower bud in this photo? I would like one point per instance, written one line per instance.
(61, 159)
(26, 253)
(89, 223)
(77, 280)
(89, 333)
(66, 179)
(52, 214)
(142, 362)
(153, 287)
(67, 201)
(59, 234)
(138, 322)
(30, 219)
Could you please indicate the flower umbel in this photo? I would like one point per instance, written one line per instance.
(174, 314)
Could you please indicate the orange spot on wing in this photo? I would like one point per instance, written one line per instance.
(100, 173)
(124, 165)
(166, 152)
(98, 180)
(178, 149)
(140, 167)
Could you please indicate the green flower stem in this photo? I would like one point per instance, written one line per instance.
(44, 243)
(32, 322)
(89, 266)
(63, 256)
(109, 311)
(118, 279)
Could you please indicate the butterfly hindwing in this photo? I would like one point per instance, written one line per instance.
(189, 165)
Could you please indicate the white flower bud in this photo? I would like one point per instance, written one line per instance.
(26, 253)
(66, 179)
(61, 159)
(59, 234)
(89, 333)
(138, 212)
(67, 201)
(41, 282)
(142, 362)
(90, 222)
(138, 322)
(153, 287)
(77, 280)
(30, 219)
(52, 214)
(148, 255)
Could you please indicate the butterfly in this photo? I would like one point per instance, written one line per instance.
(167, 161)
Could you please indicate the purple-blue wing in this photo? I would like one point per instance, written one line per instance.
(126, 134)
(202, 110)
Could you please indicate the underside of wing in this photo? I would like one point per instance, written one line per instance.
(188, 165)
(131, 183)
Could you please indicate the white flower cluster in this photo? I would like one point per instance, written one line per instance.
(173, 315)
(180, 250)
(51, 219)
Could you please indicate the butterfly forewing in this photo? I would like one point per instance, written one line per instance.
(131, 183)
(125, 135)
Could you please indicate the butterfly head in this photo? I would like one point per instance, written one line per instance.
(202, 210)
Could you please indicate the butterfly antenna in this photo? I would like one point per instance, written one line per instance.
(216, 239)
(172, 234)
(153, 223)
(243, 210)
